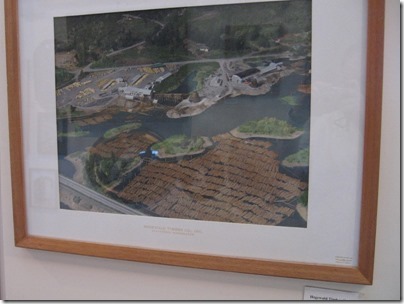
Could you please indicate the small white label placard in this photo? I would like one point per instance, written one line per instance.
(322, 294)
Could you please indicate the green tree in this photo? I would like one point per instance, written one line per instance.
(282, 30)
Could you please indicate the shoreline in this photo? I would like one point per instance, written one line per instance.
(294, 165)
(77, 162)
(207, 144)
(236, 133)
(302, 211)
(187, 109)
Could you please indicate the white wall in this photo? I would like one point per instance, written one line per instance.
(35, 275)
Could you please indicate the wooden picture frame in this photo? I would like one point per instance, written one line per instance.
(360, 274)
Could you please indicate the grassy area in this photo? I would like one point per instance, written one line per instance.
(179, 144)
(198, 71)
(268, 126)
(73, 134)
(125, 128)
(301, 157)
(107, 170)
(77, 132)
(304, 198)
(203, 72)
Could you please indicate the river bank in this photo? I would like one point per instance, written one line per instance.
(207, 144)
(238, 134)
(77, 159)
(186, 108)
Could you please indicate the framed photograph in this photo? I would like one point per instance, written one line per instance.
(229, 135)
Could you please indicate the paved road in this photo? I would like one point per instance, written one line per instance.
(209, 60)
(120, 51)
(100, 198)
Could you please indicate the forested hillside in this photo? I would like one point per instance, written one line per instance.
(224, 29)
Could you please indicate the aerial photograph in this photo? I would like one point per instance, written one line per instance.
(197, 113)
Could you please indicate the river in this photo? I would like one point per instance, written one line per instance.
(220, 118)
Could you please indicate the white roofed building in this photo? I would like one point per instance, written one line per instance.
(164, 77)
(131, 93)
(271, 67)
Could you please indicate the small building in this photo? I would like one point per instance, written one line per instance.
(135, 79)
(272, 66)
(240, 77)
(164, 77)
(129, 97)
(130, 93)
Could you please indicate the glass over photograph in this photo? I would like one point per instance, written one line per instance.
(198, 113)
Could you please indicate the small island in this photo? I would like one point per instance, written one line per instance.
(298, 159)
(108, 172)
(291, 100)
(301, 207)
(124, 128)
(181, 145)
(186, 112)
(268, 127)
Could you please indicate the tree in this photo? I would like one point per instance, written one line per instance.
(282, 31)
(81, 53)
